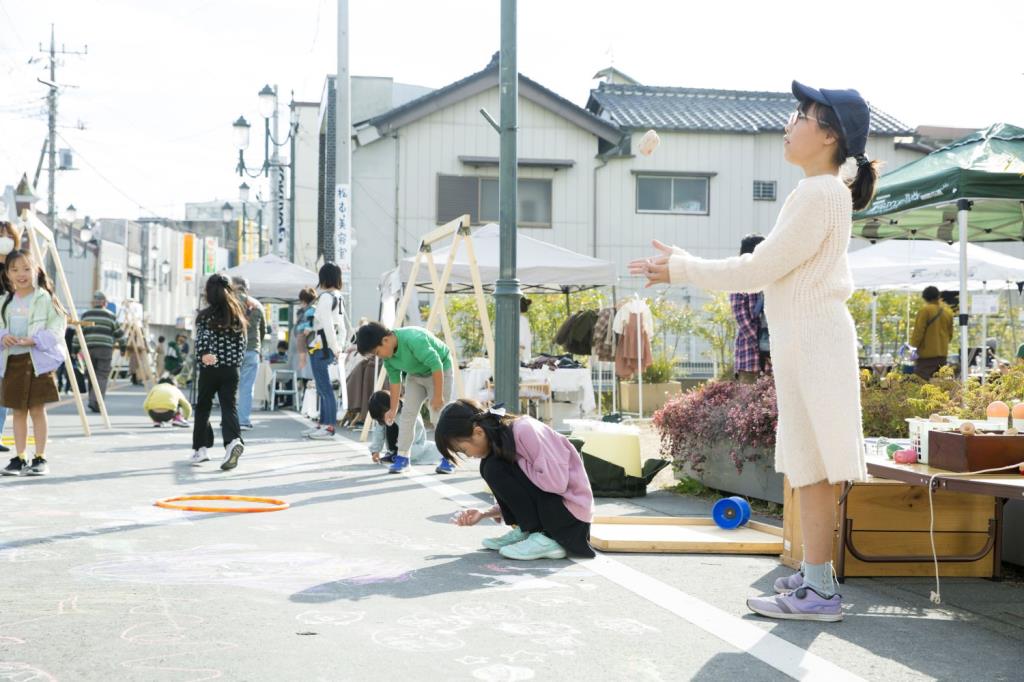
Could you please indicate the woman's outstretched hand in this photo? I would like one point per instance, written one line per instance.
(654, 268)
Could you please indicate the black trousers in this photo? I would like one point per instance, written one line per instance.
(161, 415)
(391, 436)
(222, 382)
(525, 505)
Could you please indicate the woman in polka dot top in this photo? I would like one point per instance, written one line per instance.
(220, 346)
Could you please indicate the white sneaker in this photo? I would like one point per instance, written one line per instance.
(309, 432)
(232, 452)
(199, 456)
(322, 434)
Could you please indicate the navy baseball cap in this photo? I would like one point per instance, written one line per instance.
(851, 110)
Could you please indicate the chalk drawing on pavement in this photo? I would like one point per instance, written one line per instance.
(503, 673)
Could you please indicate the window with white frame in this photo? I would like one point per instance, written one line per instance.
(458, 195)
(684, 194)
(764, 190)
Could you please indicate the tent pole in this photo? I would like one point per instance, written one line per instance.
(984, 336)
(963, 207)
(874, 325)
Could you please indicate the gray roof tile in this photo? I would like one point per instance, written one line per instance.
(693, 109)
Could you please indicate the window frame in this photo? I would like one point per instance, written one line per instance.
(672, 175)
(478, 218)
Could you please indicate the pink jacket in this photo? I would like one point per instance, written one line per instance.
(551, 462)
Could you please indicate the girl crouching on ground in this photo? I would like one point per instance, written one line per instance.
(535, 474)
(32, 324)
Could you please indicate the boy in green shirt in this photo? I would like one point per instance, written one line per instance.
(426, 363)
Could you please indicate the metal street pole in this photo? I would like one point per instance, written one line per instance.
(506, 290)
(277, 179)
(343, 157)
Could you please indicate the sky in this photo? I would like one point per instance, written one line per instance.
(149, 109)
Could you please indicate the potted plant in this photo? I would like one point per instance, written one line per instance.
(658, 387)
(723, 434)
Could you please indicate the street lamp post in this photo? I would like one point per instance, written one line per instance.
(243, 196)
(85, 234)
(272, 167)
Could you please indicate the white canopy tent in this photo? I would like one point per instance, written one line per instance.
(541, 267)
(913, 265)
(273, 279)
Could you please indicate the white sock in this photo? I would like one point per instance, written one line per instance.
(819, 576)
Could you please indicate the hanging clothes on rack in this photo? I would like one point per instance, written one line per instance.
(634, 325)
(576, 334)
(604, 335)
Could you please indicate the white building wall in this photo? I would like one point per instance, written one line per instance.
(170, 300)
(306, 167)
(432, 146)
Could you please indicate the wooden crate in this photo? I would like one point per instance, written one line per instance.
(671, 534)
(890, 518)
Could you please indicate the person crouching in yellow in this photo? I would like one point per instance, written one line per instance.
(167, 404)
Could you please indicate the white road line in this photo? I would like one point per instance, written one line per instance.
(784, 656)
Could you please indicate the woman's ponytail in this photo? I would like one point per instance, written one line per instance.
(862, 185)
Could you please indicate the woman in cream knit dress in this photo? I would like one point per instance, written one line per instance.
(803, 270)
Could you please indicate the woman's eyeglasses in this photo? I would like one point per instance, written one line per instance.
(801, 116)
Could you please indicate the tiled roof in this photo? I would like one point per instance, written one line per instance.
(665, 108)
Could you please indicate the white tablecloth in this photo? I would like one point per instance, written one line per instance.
(570, 380)
(566, 380)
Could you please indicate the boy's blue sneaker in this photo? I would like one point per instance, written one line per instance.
(399, 465)
(445, 467)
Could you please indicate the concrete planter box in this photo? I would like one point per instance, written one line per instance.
(758, 480)
(655, 396)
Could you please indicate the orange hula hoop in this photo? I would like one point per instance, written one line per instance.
(274, 504)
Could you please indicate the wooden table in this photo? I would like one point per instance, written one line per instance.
(999, 487)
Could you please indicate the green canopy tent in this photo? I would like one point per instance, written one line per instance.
(971, 190)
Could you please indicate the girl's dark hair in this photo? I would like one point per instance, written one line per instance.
(223, 312)
(370, 336)
(42, 281)
(378, 406)
(307, 295)
(749, 243)
(330, 276)
(456, 424)
(862, 186)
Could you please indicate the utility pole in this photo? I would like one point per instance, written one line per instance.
(342, 247)
(506, 289)
(51, 100)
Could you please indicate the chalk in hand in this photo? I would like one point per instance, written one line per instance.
(649, 142)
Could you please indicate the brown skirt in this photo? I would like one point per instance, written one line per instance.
(22, 389)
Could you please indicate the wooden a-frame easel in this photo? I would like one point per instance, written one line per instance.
(459, 229)
(36, 231)
(136, 343)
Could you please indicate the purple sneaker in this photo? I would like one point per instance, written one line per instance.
(789, 583)
(803, 603)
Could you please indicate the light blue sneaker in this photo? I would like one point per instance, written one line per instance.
(510, 538)
(399, 465)
(445, 467)
(537, 546)
(789, 583)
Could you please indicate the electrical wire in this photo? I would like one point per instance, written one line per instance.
(105, 178)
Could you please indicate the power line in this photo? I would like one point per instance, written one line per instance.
(107, 179)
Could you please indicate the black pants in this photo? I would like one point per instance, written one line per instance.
(222, 382)
(391, 436)
(161, 415)
(525, 505)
